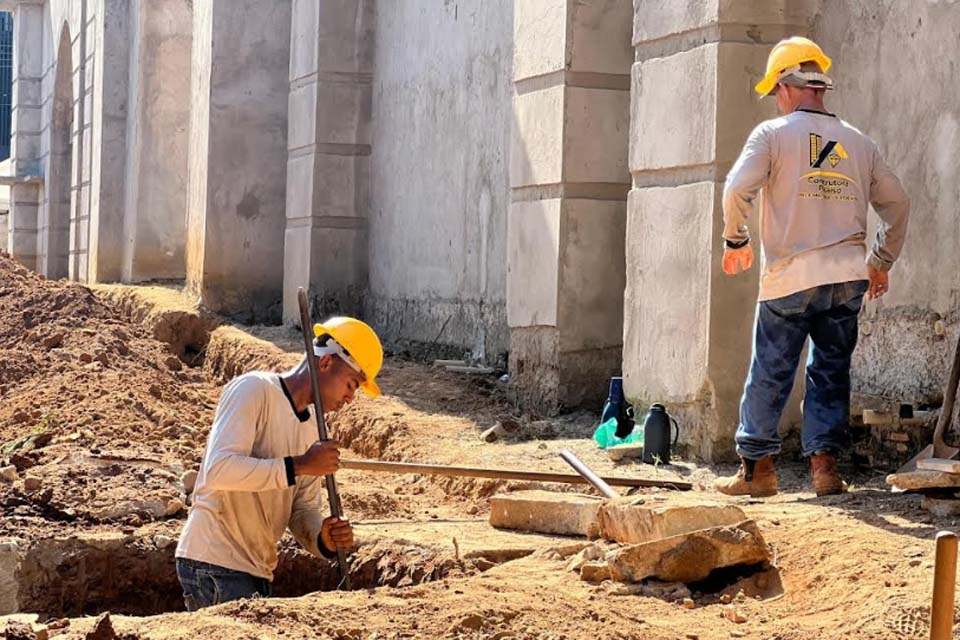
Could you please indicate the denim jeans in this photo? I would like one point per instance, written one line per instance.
(828, 316)
(205, 585)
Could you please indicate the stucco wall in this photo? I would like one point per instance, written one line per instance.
(439, 173)
(896, 72)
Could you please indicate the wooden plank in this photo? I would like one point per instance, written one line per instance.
(503, 474)
(939, 464)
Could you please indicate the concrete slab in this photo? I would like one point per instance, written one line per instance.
(634, 520)
(923, 479)
(474, 538)
(546, 512)
(690, 557)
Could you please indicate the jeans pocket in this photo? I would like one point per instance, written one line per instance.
(791, 305)
(207, 591)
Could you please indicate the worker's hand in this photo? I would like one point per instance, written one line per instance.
(879, 282)
(336, 534)
(321, 459)
(735, 260)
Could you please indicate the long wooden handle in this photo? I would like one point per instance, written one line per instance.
(333, 495)
(502, 474)
(944, 585)
(949, 399)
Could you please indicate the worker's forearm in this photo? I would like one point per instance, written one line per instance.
(232, 472)
(891, 234)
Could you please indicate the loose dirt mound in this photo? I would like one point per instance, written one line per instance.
(77, 380)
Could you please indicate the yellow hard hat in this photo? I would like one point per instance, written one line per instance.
(790, 53)
(362, 346)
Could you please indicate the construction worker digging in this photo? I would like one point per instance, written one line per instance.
(814, 174)
(263, 466)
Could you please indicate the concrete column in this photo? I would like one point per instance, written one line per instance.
(687, 326)
(81, 165)
(157, 140)
(569, 180)
(237, 156)
(325, 242)
(108, 140)
(26, 131)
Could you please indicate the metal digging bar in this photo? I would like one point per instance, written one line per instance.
(333, 496)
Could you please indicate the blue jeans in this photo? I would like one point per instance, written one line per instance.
(828, 316)
(205, 585)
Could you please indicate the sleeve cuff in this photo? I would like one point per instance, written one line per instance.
(877, 263)
(288, 466)
(326, 553)
(736, 244)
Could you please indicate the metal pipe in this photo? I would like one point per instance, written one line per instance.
(605, 489)
(502, 474)
(333, 495)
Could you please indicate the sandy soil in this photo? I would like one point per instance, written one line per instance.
(106, 417)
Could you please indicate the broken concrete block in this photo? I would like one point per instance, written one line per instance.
(923, 479)
(9, 474)
(570, 514)
(690, 557)
(633, 520)
(595, 572)
(942, 507)
(625, 451)
(10, 557)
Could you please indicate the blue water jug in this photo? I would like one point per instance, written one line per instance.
(616, 406)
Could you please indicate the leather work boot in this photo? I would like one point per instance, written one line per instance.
(826, 480)
(756, 478)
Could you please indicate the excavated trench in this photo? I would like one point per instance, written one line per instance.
(87, 574)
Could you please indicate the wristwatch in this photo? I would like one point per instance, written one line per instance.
(736, 245)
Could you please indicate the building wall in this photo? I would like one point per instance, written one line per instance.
(77, 17)
(896, 74)
(154, 220)
(439, 184)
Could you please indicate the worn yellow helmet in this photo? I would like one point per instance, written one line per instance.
(787, 54)
(357, 344)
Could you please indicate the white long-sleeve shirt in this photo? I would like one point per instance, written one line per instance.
(815, 175)
(243, 502)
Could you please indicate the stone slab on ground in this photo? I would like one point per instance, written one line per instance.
(638, 519)
(923, 479)
(475, 538)
(690, 557)
(942, 507)
(570, 514)
(625, 451)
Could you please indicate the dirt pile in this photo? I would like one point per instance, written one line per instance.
(81, 390)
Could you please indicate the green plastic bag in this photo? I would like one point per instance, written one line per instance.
(606, 435)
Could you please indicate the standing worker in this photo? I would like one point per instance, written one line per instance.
(263, 466)
(815, 175)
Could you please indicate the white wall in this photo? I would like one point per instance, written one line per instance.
(439, 184)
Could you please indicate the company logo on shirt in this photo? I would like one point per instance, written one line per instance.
(833, 152)
(822, 183)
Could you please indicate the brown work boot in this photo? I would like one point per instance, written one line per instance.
(756, 478)
(826, 480)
